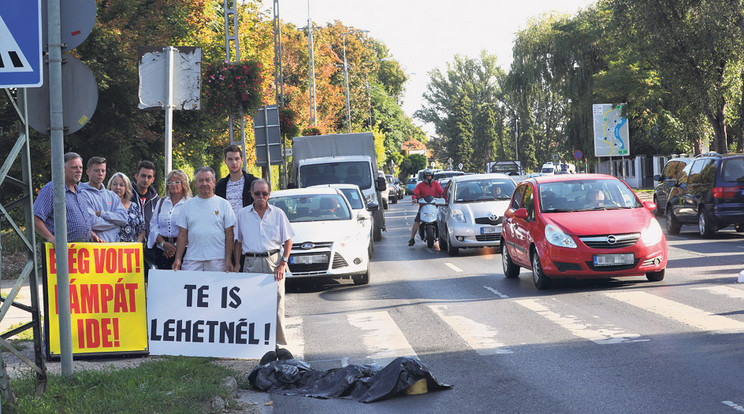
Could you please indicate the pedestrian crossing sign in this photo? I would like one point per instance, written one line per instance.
(20, 44)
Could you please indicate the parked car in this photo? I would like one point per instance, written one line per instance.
(581, 226)
(362, 212)
(666, 180)
(444, 176)
(329, 240)
(473, 211)
(710, 193)
(411, 185)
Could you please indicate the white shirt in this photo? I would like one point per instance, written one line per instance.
(259, 235)
(234, 193)
(206, 220)
(164, 223)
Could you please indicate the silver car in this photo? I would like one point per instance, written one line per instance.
(473, 210)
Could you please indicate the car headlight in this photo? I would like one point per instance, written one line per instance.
(652, 234)
(458, 215)
(557, 237)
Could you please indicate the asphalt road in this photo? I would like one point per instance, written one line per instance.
(618, 346)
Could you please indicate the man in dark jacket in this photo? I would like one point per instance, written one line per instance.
(143, 193)
(235, 188)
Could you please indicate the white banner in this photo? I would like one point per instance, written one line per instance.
(211, 314)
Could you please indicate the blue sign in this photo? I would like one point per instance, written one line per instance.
(578, 154)
(20, 44)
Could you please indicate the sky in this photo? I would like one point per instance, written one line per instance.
(424, 35)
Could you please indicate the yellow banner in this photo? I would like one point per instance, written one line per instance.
(107, 298)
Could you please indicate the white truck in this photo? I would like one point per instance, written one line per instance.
(341, 158)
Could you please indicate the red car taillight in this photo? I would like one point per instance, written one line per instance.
(726, 192)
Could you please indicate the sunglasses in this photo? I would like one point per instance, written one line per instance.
(260, 193)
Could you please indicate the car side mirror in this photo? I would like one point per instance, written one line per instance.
(650, 205)
(521, 213)
(380, 184)
(658, 177)
(372, 206)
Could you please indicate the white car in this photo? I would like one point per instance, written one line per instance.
(473, 211)
(362, 212)
(329, 238)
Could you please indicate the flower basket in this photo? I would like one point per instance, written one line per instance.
(229, 86)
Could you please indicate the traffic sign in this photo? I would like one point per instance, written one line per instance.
(578, 154)
(20, 44)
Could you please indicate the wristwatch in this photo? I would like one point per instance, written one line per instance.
(161, 244)
(284, 259)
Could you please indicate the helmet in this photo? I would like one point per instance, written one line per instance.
(428, 175)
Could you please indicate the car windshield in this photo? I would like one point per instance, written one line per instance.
(355, 199)
(586, 195)
(315, 207)
(411, 181)
(356, 172)
(483, 190)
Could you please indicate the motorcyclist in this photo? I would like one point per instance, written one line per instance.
(427, 187)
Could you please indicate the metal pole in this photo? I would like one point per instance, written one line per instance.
(516, 135)
(170, 51)
(58, 177)
(346, 84)
(268, 151)
(311, 67)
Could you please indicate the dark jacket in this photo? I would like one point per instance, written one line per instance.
(221, 188)
(148, 207)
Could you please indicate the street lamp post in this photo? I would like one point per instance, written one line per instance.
(346, 77)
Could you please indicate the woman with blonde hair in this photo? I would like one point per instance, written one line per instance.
(161, 241)
(134, 230)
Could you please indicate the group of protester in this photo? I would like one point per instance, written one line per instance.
(228, 226)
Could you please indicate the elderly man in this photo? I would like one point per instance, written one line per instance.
(78, 225)
(206, 225)
(262, 231)
(106, 212)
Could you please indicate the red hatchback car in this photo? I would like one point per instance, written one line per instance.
(581, 226)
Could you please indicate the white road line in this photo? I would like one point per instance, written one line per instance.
(604, 334)
(295, 338)
(453, 267)
(495, 292)
(679, 312)
(729, 291)
(733, 405)
(382, 336)
(480, 337)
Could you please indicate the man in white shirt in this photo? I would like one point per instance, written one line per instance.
(206, 225)
(263, 230)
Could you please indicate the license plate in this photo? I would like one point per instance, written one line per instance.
(308, 259)
(488, 230)
(613, 259)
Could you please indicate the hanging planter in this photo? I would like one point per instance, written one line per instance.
(229, 86)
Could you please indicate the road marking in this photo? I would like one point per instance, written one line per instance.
(679, 312)
(495, 292)
(295, 338)
(606, 334)
(381, 336)
(728, 291)
(733, 405)
(453, 267)
(480, 337)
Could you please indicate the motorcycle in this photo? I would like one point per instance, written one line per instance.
(429, 210)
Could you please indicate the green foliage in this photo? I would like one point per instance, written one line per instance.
(174, 385)
(411, 164)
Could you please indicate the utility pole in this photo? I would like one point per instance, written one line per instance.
(311, 67)
(231, 21)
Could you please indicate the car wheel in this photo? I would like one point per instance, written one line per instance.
(361, 279)
(430, 236)
(510, 269)
(452, 250)
(395, 199)
(384, 204)
(739, 228)
(655, 276)
(658, 212)
(705, 226)
(672, 224)
(443, 240)
(377, 235)
(541, 281)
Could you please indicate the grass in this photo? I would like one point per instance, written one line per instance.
(168, 385)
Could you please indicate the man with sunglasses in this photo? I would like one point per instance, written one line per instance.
(263, 240)
(206, 225)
